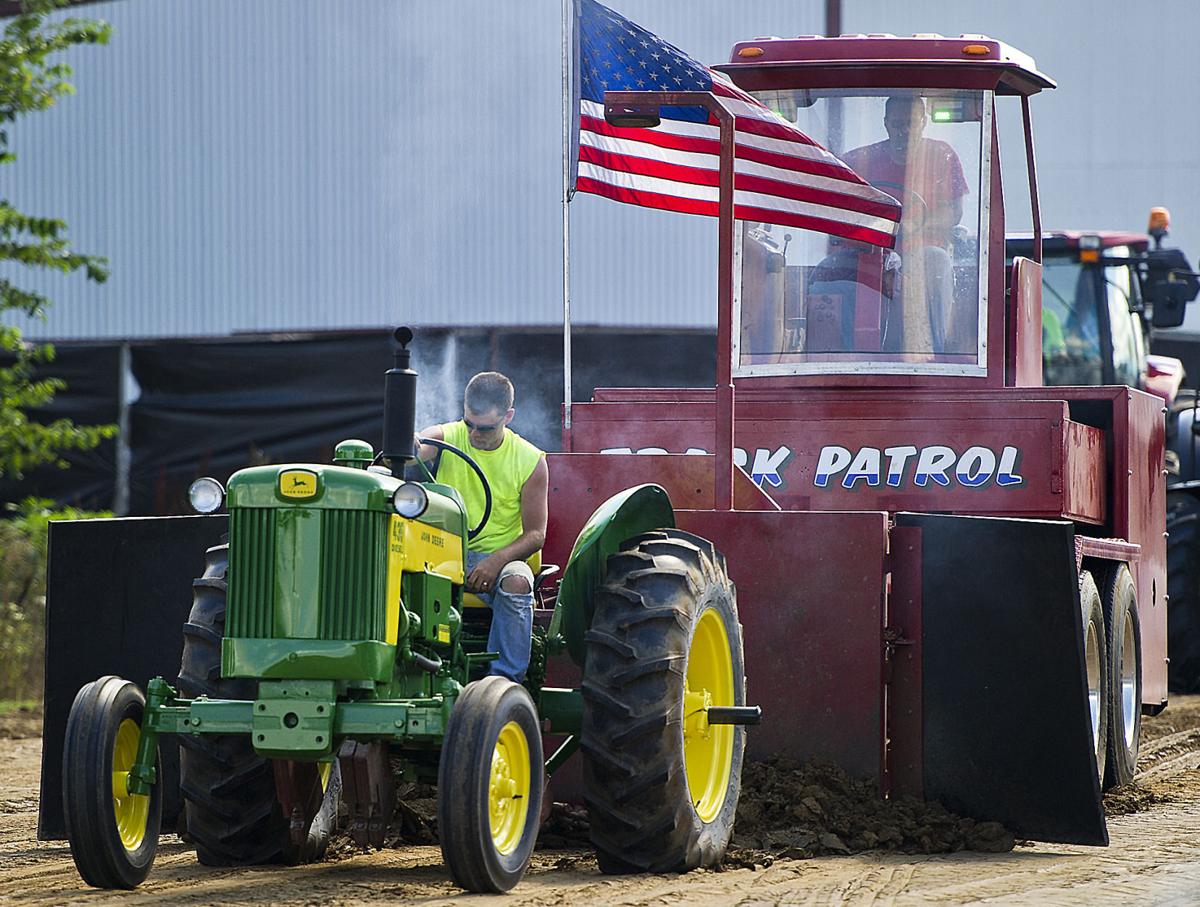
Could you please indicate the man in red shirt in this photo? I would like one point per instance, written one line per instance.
(926, 176)
(927, 172)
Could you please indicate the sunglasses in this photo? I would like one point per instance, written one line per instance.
(475, 426)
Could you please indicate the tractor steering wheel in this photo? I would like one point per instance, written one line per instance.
(921, 208)
(487, 489)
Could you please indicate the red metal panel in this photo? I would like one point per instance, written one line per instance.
(1106, 549)
(581, 482)
(810, 590)
(1084, 486)
(786, 446)
(810, 595)
(1024, 360)
(1146, 507)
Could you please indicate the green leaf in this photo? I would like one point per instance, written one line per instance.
(33, 76)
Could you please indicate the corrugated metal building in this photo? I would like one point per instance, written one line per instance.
(289, 165)
(306, 171)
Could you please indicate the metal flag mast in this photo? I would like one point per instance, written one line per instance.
(567, 106)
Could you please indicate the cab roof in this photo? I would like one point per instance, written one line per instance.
(1017, 72)
(1059, 241)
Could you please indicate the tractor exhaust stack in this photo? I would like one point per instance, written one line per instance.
(400, 402)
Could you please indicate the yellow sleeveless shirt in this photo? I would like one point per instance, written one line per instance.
(507, 468)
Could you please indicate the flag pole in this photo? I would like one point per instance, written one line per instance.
(567, 106)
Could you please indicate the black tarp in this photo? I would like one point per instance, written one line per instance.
(211, 407)
(91, 397)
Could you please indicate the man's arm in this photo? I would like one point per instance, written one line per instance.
(531, 539)
(958, 188)
(428, 452)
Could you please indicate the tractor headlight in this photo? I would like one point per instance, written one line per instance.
(410, 500)
(206, 495)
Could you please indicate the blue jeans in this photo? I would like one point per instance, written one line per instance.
(512, 620)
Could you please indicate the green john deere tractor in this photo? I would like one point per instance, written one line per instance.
(331, 646)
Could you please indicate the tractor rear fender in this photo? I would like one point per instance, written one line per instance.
(626, 514)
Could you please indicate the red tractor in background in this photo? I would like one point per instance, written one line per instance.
(951, 577)
(1105, 294)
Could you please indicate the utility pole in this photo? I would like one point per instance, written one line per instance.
(833, 18)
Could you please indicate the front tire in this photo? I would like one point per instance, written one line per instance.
(113, 834)
(661, 784)
(490, 781)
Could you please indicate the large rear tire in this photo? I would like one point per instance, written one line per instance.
(1095, 657)
(1183, 590)
(113, 834)
(660, 783)
(1124, 629)
(490, 781)
(232, 813)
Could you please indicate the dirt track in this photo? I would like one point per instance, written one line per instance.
(1154, 858)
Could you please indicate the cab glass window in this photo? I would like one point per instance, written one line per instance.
(1124, 325)
(1071, 342)
(810, 303)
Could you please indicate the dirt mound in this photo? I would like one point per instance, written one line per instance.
(566, 827)
(413, 822)
(1132, 798)
(797, 811)
(786, 810)
(21, 724)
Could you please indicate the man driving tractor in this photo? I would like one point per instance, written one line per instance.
(503, 557)
(926, 175)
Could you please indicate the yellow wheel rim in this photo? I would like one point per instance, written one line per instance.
(708, 749)
(131, 810)
(508, 788)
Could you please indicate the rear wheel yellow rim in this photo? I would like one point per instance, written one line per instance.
(131, 810)
(508, 788)
(708, 749)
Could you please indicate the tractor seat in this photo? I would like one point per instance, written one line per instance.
(542, 596)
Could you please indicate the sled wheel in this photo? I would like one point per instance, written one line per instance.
(232, 813)
(490, 781)
(660, 783)
(113, 833)
(1119, 600)
(1183, 591)
(1095, 659)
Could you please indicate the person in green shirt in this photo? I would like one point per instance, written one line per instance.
(501, 560)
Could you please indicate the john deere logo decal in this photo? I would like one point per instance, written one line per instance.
(297, 483)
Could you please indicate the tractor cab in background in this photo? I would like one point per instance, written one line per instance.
(1103, 293)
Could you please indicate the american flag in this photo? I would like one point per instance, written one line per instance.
(781, 176)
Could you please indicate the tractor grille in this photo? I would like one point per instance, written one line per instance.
(251, 610)
(353, 574)
(349, 598)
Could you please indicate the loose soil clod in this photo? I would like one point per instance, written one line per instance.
(1131, 798)
(797, 811)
